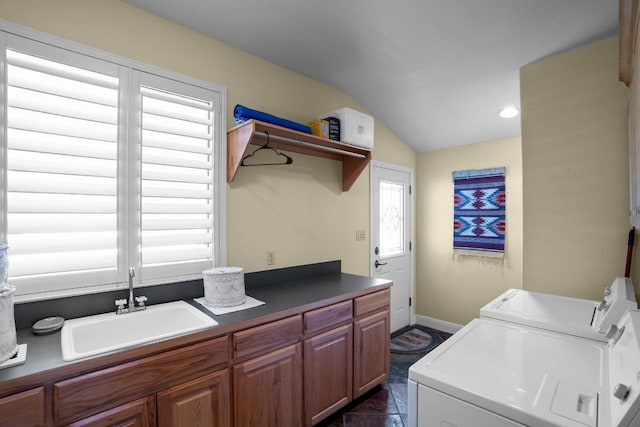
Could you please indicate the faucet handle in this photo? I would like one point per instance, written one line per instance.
(141, 300)
(120, 303)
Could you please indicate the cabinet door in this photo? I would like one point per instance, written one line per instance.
(23, 409)
(328, 373)
(200, 402)
(370, 352)
(139, 413)
(267, 390)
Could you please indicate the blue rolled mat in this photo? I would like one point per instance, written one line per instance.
(242, 113)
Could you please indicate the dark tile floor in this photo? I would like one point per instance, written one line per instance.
(385, 405)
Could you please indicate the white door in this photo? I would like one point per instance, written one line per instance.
(391, 235)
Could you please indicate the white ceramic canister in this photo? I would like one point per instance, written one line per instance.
(8, 339)
(224, 287)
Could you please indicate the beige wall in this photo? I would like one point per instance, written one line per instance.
(454, 289)
(575, 162)
(574, 200)
(300, 211)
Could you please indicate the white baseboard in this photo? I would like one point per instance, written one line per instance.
(440, 325)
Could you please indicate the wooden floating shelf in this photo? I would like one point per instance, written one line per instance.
(354, 159)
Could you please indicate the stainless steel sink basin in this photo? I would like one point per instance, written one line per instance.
(92, 335)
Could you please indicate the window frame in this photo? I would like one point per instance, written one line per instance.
(130, 72)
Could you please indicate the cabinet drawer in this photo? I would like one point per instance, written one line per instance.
(372, 302)
(88, 394)
(327, 316)
(139, 413)
(266, 337)
(23, 409)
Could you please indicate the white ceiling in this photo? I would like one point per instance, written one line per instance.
(435, 72)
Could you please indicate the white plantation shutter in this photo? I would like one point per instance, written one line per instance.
(104, 166)
(61, 169)
(177, 218)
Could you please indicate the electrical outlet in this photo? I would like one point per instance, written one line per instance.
(271, 257)
(361, 235)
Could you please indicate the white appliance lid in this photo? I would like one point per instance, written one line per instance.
(530, 375)
(571, 316)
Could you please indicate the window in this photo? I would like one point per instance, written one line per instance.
(106, 166)
(176, 213)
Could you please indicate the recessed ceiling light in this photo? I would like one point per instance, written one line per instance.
(508, 112)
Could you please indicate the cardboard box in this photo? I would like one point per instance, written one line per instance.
(319, 128)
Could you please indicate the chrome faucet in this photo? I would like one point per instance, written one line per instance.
(132, 274)
(120, 303)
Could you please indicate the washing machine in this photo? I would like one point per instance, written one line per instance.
(499, 374)
(573, 316)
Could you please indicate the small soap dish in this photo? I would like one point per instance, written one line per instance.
(19, 358)
(47, 325)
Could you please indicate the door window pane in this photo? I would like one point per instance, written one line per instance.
(392, 225)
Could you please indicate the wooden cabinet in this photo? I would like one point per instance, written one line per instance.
(629, 17)
(201, 402)
(294, 368)
(371, 352)
(139, 413)
(23, 409)
(629, 65)
(328, 360)
(267, 390)
(328, 373)
(83, 396)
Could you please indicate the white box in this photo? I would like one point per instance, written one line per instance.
(355, 127)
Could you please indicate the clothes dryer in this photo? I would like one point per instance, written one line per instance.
(573, 316)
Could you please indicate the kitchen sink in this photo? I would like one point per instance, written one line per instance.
(102, 333)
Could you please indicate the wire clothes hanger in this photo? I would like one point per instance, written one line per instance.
(287, 160)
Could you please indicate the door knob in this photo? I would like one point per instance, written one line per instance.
(378, 264)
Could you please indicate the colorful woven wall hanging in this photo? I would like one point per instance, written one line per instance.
(479, 203)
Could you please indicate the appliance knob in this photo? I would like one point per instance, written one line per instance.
(621, 391)
(613, 329)
(614, 334)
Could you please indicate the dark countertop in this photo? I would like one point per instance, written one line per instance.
(284, 296)
(44, 351)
